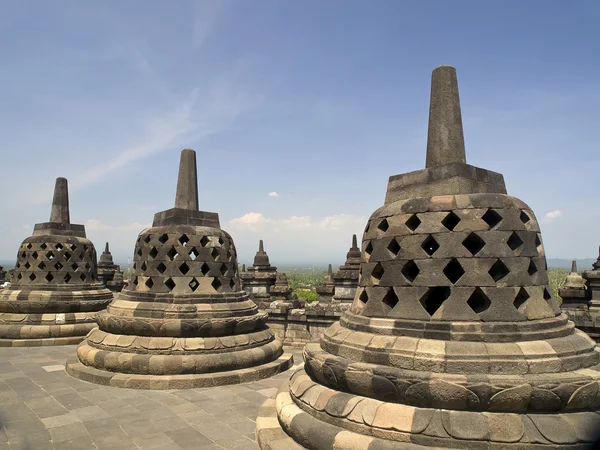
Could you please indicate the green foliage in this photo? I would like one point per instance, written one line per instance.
(556, 278)
(308, 295)
(308, 278)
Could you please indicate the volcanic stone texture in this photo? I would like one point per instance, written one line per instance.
(260, 278)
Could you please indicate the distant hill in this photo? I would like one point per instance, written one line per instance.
(582, 264)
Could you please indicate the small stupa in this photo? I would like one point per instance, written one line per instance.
(183, 321)
(593, 280)
(281, 292)
(327, 289)
(345, 280)
(54, 294)
(258, 279)
(454, 340)
(573, 292)
(110, 273)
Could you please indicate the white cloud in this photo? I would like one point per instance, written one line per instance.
(552, 215)
(251, 221)
(274, 194)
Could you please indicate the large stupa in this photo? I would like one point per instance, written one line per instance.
(183, 321)
(54, 294)
(453, 339)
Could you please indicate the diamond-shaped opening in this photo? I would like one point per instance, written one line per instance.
(161, 268)
(193, 284)
(24, 255)
(73, 247)
(149, 283)
(413, 222)
(184, 268)
(410, 271)
(43, 246)
(32, 276)
(215, 254)
(434, 298)
(478, 301)
(163, 238)
(82, 277)
(369, 249)
(514, 241)
(390, 299)
(216, 284)
(58, 266)
(204, 241)
(87, 266)
(223, 269)
(498, 271)
(377, 273)
(74, 266)
(221, 241)
(135, 281)
(50, 256)
(229, 255)
(473, 243)
(538, 241)
(520, 298)
(231, 283)
(393, 247)
(67, 278)
(27, 265)
(147, 238)
(454, 271)
(139, 252)
(67, 256)
(153, 252)
(29, 246)
(363, 297)
(41, 265)
(134, 265)
(81, 256)
(430, 245)
(524, 217)
(450, 221)
(172, 254)
(532, 268)
(492, 218)
(19, 276)
(144, 266)
(34, 255)
(368, 226)
(547, 294)
(170, 284)
(184, 239)
(58, 247)
(383, 225)
(49, 277)
(193, 253)
(204, 269)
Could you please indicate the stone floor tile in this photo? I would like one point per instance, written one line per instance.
(189, 438)
(59, 421)
(215, 431)
(73, 401)
(46, 407)
(68, 432)
(80, 443)
(90, 413)
(154, 440)
(175, 423)
(139, 428)
(53, 368)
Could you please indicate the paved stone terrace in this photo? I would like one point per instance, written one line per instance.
(42, 407)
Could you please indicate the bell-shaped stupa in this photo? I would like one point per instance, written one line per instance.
(453, 339)
(183, 321)
(54, 294)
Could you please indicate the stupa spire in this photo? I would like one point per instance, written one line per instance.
(60, 202)
(445, 140)
(574, 266)
(261, 247)
(106, 249)
(354, 242)
(187, 181)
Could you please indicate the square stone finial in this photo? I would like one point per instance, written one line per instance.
(60, 202)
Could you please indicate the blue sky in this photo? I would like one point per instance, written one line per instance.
(316, 101)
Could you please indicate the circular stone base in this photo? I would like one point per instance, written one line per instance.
(69, 340)
(134, 381)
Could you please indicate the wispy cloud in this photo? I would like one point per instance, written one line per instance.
(274, 194)
(258, 222)
(552, 215)
(206, 13)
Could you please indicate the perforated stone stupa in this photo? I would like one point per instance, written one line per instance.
(453, 339)
(110, 273)
(183, 321)
(54, 294)
(259, 278)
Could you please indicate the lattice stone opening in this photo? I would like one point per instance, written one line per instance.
(58, 247)
(473, 243)
(492, 218)
(229, 255)
(27, 265)
(34, 255)
(204, 269)
(454, 271)
(49, 277)
(43, 246)
(524, 217)
(538, 240)
(478, 301)
(81, 256)
(74, 266)
(223, 269)
(193, 253)
(204, 241)
(221, 241)
(231, 283)
(390, 299)
(50, 256)
(58, 266)
(82, 277)
(172, 254)
(28, 246)
(215, 254)
(41, 265)
(153, 252)
(498, 271)
(383, 225)
(73, 247)
(514, 241)
(434, 298)
(413, 222)
(216, 284)
(368, 226)
(19, 276)
(149, 283)
(393, 247)
(24, 255)
(170, 284)
(135, 281)
(363, 297)
(163, 238)
(184, 268)
(139, 252)
(144, 266)
(67, 278)
(193, 284)
(67, 256)
(183, 239)
(547, 295)
(369, 250)
(450, 221)
(410, 271)
(161, 268)
(147, 238)
(430, 245)
(32, 276)
(532, 269)
(520, 299)
(377, 273)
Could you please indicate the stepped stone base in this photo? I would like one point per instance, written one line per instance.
(187, 381)
(306, 415)
(71, 340)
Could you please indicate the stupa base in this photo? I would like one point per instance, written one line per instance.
(188, 381)
(32, 335)
(307, 415)
(70, 340)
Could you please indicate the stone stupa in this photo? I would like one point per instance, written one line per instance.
(183, 321)
(454, 339)
(258, 279)
(54, 294)
(110, 273)
(345, 280)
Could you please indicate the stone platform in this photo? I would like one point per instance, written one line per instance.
(42, 407)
